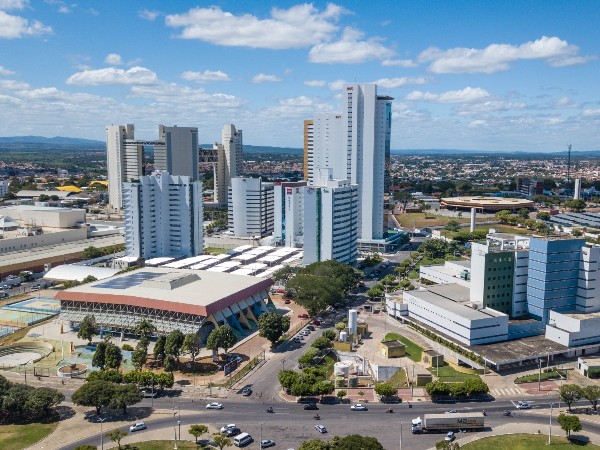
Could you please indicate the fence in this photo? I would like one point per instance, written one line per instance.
(234, 378)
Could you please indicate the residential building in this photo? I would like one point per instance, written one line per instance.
(251, 207)
(308, 148)
(178, 153)
(330, 220)
(288, 227)
(4, 187)
(124, 161)
(163, 216)
(230, 161)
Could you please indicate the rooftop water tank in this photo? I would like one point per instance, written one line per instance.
(352, 314)
(343, 336)
(341, 369)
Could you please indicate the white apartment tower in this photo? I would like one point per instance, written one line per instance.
(289, 213)
(124, 161)
(230, 161)
(251, 207)
(178, 153)
(163, 216)
(4, 184)
(356, 146)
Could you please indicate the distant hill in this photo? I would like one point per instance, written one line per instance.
(442, 151)
(58, 140)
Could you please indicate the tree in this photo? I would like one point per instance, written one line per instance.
(159, 347)
(139, 358)
(374, 292)
(198, 430)
(354, 442)
(42, 399)
(321, 343)
(170, 363)
(591, 393)
(221, 440)
(475, 386)
(447, 445)
(144, 328)
(125, 395)
(329, 334)
(569, 423)
(340, 326)
(89, 279)
(114, 357)
(523, 212)
(569, 393)
(315, 444)
(272, 326)
(222, 337)
(15, 399)
(173, 343)
(530, 223)
(192, 346)
(97, 393)
(437, 389)
(91, 252)
(99, 358)
(341, 394)
(287, 378)
(463, 186)
(165, 379)
(575, 205)
(452, 225)
(323, 388)
(306, 359)
(301, 389)
(87, 329)
(542, 215)
(86, 447)
(114, 376)
(385, 390)
(116, 435)
(403, 198)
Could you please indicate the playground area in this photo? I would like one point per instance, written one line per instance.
(26, 312)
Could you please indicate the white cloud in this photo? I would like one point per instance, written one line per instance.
(564, 103)
(205, 77)
(349, 50)
(134, 62)
(466, 95)
(114, 77)
(261, 78)
(148, 15)
(300, 26)
(7, 5)
(93, 12)
(288, 71)
(82, 67)
(392, 83)
(591, 113)
(13, 27)
(405, 63)
(4, 71)
(497, 57)
(64, 9)
(172, 93)
(337, 85)
(488, 107)
(113, 59)
(13, 85)
(315, 83)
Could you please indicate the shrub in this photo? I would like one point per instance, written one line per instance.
(128, 348)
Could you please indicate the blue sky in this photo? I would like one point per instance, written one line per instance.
(487, 75)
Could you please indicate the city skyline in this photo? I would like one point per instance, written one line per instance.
(474, 76)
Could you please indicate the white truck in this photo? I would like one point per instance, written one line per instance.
(437, 423)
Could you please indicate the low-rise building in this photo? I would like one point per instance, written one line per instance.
(455, 272)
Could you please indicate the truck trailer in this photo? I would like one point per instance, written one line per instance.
(438, 423)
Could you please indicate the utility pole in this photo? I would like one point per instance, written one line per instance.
(152, 399)
(174, 430)
(401, 435)
(412, 384)
(550, 429)
(539, 361)
(101, 420)
(261, 424)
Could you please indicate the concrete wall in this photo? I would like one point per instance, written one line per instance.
(46, 216)
(383, 373)
(41, 240)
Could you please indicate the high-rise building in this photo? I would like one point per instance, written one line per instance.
(230, 161)
(308, 148)
(124, 161)
(356, 146)
(251, 207)
(289, 213)
(330, 219)
(163, 216)
(4, 184)
(178, 153)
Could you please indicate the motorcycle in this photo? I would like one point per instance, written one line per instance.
(389, 410)
(507, 413)
(316, 417)
(483, 412)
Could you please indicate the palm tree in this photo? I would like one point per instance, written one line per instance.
(144, 328)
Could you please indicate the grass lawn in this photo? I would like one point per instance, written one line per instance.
(449, 375)
(413, 275)
(215, 251)
(165, 445)
(500, 228)
(327, 363)
(399, 378)
(16, 437)
(552, 375)
(526, 442)
(413, 351)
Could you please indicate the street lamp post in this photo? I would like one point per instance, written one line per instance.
(260, 442)
(401, 435)
(101, 420)
(539, 361)
(550, 429)
(175, 430)
(283, 365)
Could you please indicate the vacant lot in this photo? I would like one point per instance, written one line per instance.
(526, 442)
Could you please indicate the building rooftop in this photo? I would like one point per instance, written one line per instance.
(393, 343)
(580, 315)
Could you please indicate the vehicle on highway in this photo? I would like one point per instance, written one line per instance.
(242, 439)
(214, 405)
(266, 443)
(523, 405)
(149, 394)
(246, 392)
(137, 427)
(233, 432)
(302, 316)
(449, 436)
(229, 426)
(321, 429)
(359, 407)
(311, 406)
(452, 411)
(438, 423)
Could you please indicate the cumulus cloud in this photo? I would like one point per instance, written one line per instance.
(14, 27)
(591, 113)
(148, 15)
(337, 85)
(349, 49)
(4, 71)
(404, 63)
(299, 26)
(134, 62)
(7, 5)
(113, 59)
(497, 57)
(391, 83)
(314, 83)
(564, 103)
(466, 95)
(13, 85)
(114, 77)
(174, 93)
(262, 78)
(205, 77)
(488, 107)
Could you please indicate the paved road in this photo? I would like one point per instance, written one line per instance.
(289, 425)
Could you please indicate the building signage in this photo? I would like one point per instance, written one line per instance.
(289, 190)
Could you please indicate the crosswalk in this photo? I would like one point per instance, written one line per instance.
(506, 392)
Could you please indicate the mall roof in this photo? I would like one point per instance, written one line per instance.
(73, 272)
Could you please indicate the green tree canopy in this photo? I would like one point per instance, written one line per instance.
(287, 378)
(91, 252)
(198, 430)
(385, 390)
(87, 329)
(97, 394)
(321, 343)
(192, 346)
(99, 358)
(145, 328)
(113, 357)
(125, 395)
(159, 347)
(272, 326)
(569, 393)
(591, 393)
(569, 423)
(173, 343)
(222, 337)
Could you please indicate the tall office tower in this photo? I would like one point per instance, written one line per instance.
(4, 187)
(577, 190)
(124, 161)
(251, 207)
(356, 145)
(330, 219)
(178, 153)
(163, 216)
(308, 148)
(230, 161)
(289, 213)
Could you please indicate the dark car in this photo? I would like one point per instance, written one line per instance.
(310, 406)
(247, 392)
(232, 432)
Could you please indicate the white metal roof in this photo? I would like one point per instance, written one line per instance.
(187, 261)
(72, 272)
(218, 269)
(242, 248)
(159, 261)
(246, 272)
(229, 264)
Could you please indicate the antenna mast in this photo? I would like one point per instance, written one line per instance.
(569, 165)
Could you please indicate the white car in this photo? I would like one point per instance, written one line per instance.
(214, 406)
(138, 426)
(321, 429)
(227, 427)
(358, 407)
(523, 405)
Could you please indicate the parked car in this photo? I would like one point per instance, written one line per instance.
(310, 327)
(246, 392)
(302, 316)
(359, 407)
(229, 426)
(232, 432)
(287, 301)
(149, 394)
(316, 322)
(266, 443)
(523, 405)
(137, 427)
(321, 429)
(297, 339)
(214, 406)
(452, 411)
(449, 436)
